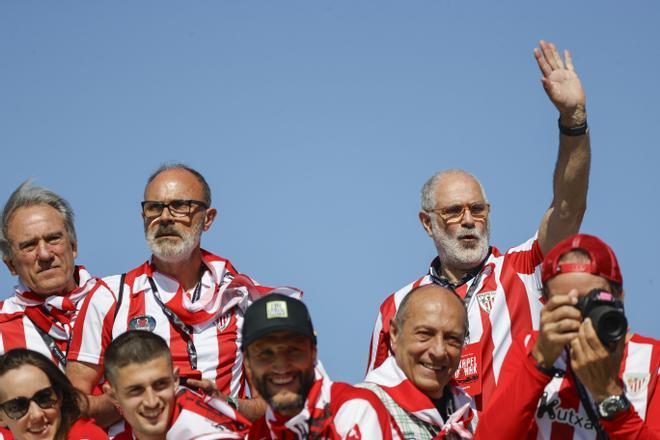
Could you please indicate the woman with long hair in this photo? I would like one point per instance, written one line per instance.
(37, 401)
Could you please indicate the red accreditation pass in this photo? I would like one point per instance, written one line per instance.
(468, 374)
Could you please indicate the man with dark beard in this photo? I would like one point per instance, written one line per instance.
(501, 290)
(279, 344)
(180, 295)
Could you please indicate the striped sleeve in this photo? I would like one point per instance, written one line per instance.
(93, 329)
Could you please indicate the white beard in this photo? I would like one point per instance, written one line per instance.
(454, 254)
(173, 249)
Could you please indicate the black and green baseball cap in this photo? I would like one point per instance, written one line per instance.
(276, 312)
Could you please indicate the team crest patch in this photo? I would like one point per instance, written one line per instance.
(224, 321)
(486, 300)
(276, 309)
(636, 382)
(143, 322)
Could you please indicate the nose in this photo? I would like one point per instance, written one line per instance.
(43, 253)
(438, 351)
(467, 220)
(150, 398)
(35, 412)
(166, 215)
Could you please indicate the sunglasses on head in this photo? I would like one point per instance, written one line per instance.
(19, 406)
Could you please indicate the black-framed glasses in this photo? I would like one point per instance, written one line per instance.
(19, 406)
(177, 208)
(454, 213)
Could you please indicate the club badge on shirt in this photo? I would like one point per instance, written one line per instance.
(143, 322)
(635, 382)
(468, 374)
(486, 300)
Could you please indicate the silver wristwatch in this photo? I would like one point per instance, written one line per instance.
(612, 406)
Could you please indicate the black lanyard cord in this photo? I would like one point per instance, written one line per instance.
(185, 330)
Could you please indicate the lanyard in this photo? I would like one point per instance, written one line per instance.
(444, 282)
(52, 346)
(185, 330)
(588, 407)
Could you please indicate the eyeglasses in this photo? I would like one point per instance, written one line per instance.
(18, 407)
(454, 213)
(177, 208)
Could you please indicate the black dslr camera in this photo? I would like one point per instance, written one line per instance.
(606, 313)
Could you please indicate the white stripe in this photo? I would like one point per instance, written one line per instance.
(152, 308)
(33, 340)
(474, 316)
(500, 322)
(638, 362)
(237, 368)
(206, 343)
(358, 412)
(92, 326)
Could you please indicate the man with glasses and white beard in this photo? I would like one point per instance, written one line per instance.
(501, 290)
(180, 294)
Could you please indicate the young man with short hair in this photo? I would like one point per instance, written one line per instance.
(143, 384)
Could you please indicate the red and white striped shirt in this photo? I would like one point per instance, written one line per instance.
(332, 411)
(529, 404)
(200, 417)
(214, 320)
(29, 320)
(507, 302)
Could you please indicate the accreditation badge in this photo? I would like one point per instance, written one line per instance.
(468, 374)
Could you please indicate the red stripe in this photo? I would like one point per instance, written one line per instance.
(387, 312)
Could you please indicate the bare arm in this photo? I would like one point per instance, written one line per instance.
(571, 176)
(84, 376)
(252, 409)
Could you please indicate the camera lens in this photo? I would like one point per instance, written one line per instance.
(610, 324)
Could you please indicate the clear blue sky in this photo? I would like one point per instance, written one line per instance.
(316, 123)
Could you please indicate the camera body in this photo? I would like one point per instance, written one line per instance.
(606, 313)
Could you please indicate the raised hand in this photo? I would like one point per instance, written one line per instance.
(561, 83)
(560, 322)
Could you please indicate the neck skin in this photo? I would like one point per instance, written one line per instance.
(186, 270)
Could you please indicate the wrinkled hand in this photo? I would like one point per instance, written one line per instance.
(562, 84)
(560, 322)
(594, 365)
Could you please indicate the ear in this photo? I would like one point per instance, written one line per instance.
(209, 217)
(175, 373)
(394, 334)
(425, 218)
(74, 248)
(10, 266)
(107, 389)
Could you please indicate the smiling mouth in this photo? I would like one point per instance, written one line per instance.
(152, 416)
(39, 430)
(434, 368)
(282, 380)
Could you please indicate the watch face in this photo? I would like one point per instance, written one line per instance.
(612, 405)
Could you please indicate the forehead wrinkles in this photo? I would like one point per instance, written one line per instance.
(32, 220)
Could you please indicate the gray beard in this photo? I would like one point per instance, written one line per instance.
(455, 255)
(174, 250)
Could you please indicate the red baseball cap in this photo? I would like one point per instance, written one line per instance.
(603, 261)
